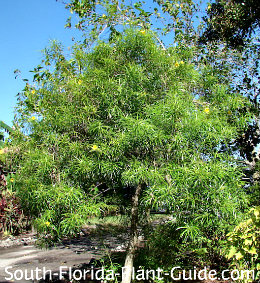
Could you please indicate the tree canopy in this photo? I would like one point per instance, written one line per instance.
(232, 21)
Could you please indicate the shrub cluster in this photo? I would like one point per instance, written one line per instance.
(12, 218)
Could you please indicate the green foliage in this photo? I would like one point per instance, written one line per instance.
(127, 112)
(4, 128)
(175, 247)
(94, 18)
(244, 243)
(232, 21)
(63, 210)
(12, 218)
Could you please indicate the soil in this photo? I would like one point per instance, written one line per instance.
(81, 253)
(21, 253)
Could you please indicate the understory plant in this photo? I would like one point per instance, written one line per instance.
(244, 245)
(12, 218)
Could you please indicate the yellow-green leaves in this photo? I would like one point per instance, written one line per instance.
(239, 255)
(256, 212)
(232, 252)
(125, 113)
(245, 242)
(248, 242)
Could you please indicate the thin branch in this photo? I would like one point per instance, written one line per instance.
(101, 193)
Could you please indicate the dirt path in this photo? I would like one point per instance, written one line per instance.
(70, 253)
(29, 258)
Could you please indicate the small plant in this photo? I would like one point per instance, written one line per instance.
(12, 219)
(111, 265)
(244, 244)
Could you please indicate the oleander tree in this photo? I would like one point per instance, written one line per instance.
(128, 122)
(226, 34)
(128, 117)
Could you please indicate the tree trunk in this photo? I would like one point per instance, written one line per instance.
(129, 261)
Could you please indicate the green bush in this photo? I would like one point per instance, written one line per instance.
(12, 218)
(126, 114)
(244, 243)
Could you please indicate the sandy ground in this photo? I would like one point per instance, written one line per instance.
(29, 258)
(19, 255)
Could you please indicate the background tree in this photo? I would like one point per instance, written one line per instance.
(232, 21)
(235, 24)
(176, 18)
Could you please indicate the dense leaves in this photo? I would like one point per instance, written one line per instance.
(244, 243)
(12, 218)
(126, 113)
(232, 21)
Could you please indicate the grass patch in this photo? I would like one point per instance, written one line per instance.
(118, 220)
